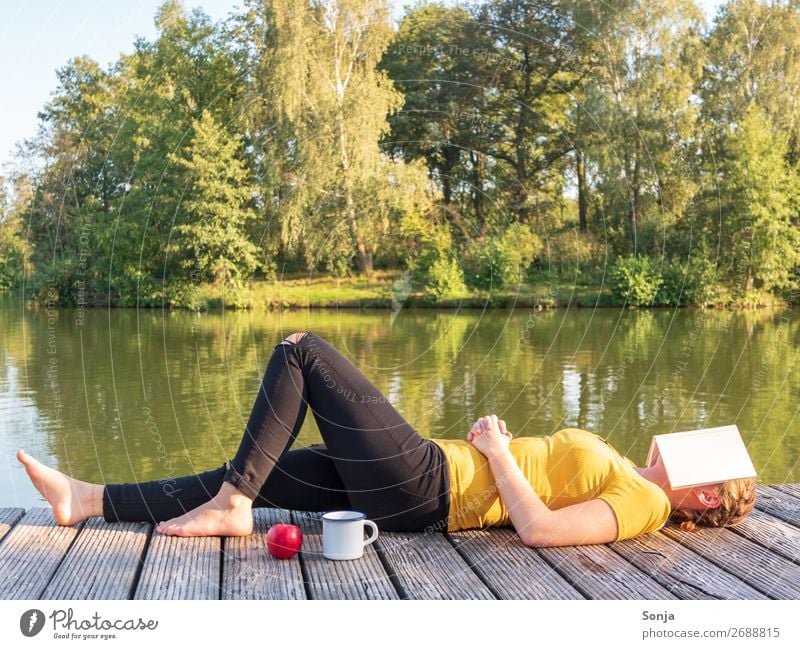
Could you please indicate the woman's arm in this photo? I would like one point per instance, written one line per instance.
(537, 525)
(528, 513)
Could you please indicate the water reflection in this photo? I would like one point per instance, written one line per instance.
(135, 395)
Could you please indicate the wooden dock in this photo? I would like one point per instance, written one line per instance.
(758, 559)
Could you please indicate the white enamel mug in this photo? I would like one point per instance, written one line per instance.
(343, 534)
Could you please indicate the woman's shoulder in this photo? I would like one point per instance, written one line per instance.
(574, 438)
(577, 433)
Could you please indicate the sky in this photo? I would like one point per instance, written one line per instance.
(39, 36)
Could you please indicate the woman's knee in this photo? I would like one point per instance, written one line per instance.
(294, 338)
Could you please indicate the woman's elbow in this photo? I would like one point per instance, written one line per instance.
(532, 542)
(537, 538)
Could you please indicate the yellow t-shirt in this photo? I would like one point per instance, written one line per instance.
(568, 467)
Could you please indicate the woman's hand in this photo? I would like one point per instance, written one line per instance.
(490, 436)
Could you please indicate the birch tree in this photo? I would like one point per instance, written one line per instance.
(324, 79)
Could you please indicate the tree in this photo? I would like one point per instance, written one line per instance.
(534, 70)
(641, 118)
(326, 84)
(753, 55)
(750, 85)
(435, 62)
(211, 240)
(105, 194)
(14, 249)
(166, 88)
(762, 195)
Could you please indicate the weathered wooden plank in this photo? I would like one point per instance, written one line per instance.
(102, 563)
(509, 567)
(31, 553)
(427, 566)
(753, 563)
(684, 573)
(792, 488)
(9, 516)
(772, 533)
(363, 578)
(248, 570)
(598, 572)
(778, 503)
(180, 568)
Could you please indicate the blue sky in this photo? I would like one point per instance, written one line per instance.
(39, 36)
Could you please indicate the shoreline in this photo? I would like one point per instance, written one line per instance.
(422, 305)
(384, 290)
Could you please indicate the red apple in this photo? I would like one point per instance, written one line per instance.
(284, 540)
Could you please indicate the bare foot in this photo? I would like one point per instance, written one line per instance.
(72, 500)
(229, 513)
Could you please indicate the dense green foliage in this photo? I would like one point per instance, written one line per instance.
(636, 280)
(624, 143)
(435, 267)
(502, 259)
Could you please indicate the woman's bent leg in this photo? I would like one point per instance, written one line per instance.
(390, 472)
(393, 474)
(273, 425)
(303, 480)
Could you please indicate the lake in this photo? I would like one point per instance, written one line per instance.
(121, 395)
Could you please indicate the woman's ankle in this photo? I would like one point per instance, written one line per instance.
(230, 496)
(95, 500)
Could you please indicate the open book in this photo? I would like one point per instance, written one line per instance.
(701, 457)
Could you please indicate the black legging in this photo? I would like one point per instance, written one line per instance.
(372, 459)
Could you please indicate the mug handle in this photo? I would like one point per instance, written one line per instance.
(374, 530)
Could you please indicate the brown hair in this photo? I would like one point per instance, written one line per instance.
(737, 498)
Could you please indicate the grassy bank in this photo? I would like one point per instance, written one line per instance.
(384, 289)
(391, 290)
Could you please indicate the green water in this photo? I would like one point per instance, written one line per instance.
(119, 395)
